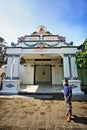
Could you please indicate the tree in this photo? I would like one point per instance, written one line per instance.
(1, 40)
(3, 57)
(81, 55)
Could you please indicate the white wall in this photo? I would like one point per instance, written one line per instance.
(57, 74)
(26, 74)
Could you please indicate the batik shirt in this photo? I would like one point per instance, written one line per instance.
(68, 92)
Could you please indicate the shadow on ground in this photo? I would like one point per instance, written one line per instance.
(78, 119)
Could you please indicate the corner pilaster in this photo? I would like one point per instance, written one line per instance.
(74, 74)
(16, 67)
(66, 66)
(9, 68)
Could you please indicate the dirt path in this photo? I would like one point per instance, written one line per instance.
(21, 113)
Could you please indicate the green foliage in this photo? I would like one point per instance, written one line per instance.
(3, 59)
(81, 56)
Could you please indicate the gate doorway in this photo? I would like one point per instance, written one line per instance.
(43, 74)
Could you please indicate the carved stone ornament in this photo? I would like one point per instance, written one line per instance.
(10, 85)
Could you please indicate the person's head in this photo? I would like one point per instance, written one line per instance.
(66, 82)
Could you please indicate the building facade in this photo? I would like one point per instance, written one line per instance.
(41, 59)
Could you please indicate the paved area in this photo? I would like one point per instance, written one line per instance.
(30, 113)
(40, 88)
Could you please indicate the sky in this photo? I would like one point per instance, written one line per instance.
(66, 18)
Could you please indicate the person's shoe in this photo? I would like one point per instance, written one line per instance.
(69, 118)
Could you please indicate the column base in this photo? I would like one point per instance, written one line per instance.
(10, 87)
(76, 87)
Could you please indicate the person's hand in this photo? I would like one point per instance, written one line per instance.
(65, 99)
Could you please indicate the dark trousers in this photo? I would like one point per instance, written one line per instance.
(69, 108)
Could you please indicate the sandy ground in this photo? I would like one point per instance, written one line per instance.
(26, 113)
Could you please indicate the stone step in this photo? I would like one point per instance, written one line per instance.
(43, 95)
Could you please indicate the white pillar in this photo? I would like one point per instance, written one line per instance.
(74, 74)
(12, 83)
(16, 67)
(66, 66)
(9, 67)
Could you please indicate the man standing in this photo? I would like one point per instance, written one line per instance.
(67, 97)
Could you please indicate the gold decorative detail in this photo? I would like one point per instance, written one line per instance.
(41, 29)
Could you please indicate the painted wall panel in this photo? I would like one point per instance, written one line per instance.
(27, 74)
(57, 74)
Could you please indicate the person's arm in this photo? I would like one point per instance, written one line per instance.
(71, 91)
(65, 93)
(69, 94)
